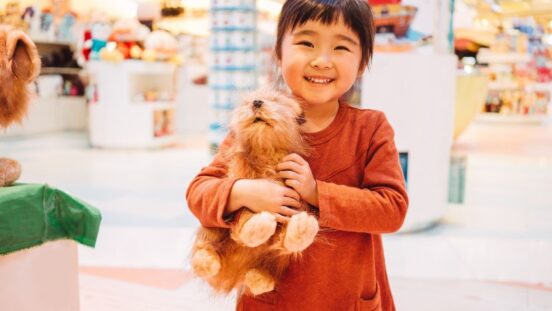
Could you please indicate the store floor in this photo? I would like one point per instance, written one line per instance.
(491, 253)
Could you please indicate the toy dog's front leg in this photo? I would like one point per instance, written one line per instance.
(253, 229)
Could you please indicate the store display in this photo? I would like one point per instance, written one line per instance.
(391, 16)
(422, 116)
(137, 112)
(127, 37)
(233, 60)
(162, 46)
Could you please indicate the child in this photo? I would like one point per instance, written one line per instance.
(352, 176)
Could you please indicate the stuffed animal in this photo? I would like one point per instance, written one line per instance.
(256, 250)
(19, 65)
(161, 46)
(129, 35)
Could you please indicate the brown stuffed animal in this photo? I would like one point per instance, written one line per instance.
(256, 251)
(19, 65)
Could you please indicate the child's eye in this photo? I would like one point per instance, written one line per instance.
(341, 47)
(305, 43)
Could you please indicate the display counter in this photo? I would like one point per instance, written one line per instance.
(417, 94)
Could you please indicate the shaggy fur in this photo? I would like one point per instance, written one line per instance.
(256, 251)
(19, 65)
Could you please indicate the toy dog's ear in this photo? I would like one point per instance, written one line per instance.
(23, 56)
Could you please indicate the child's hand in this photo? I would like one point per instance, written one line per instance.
(266, 195)
(298, 175)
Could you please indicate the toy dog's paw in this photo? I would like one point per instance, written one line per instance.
(258, 229)
(300, 232)
(206, 263)
(10, 170)
(259, 282)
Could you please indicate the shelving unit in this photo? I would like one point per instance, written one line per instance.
(510, 100)
(233, 60)
(121, 113)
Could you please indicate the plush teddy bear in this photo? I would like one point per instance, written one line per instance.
(19, 65)
(257, 249)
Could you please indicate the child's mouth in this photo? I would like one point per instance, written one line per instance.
(318, 80)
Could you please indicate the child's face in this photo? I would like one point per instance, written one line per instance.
(320, 62)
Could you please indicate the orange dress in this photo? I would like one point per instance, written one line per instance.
(361, 193)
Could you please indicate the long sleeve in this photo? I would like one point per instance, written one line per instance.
(209, 191)
(380, 204)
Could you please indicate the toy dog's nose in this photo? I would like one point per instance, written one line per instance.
(257, 103)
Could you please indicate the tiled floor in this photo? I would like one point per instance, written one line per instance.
(491, 253)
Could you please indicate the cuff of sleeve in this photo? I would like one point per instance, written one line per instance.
(224, 222)
(324, 204)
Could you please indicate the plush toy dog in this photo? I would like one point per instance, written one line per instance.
(256, 251)
(19, 65)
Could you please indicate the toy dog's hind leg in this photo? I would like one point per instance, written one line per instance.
(206, 261)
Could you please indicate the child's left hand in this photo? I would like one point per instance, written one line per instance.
(297, 174)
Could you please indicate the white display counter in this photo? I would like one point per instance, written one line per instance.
(131, 104)
(44, 277)
(417, 94)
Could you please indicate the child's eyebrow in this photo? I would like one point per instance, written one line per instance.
(305, 33)
(314, 34)
(347, 38)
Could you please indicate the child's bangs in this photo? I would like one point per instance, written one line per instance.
(326, 13)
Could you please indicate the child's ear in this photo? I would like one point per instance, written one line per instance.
(22, 55)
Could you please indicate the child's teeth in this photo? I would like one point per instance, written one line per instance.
(315, 80)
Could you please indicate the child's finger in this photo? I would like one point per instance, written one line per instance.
(290, 193)
(288, 166)
(292, 183)
(294, 157)
(281, 219)
(286, 211)
(291, 202)
(288, 175)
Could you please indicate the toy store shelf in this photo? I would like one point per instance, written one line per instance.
(540, 86)
(59, 71)
(39, 40)
(135, 66)
(488, 57)
(156, 105)
(497, 118)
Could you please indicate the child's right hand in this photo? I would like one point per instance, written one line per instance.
(264, 195)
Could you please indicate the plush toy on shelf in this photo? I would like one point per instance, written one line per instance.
(19, 65)
(161, 46)
(256, 250)
(128, 34)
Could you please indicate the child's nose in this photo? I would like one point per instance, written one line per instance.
(321, 61)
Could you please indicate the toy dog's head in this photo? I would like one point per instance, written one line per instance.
(19, 65)
(268, 122)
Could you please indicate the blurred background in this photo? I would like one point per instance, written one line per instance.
(134, 97)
